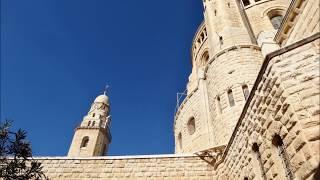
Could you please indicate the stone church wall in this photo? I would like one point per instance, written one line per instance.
(285, 102)
(153, 167)
(230, 69)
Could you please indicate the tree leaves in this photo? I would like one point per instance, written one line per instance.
(16, 161)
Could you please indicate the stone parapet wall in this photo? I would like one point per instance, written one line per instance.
(154, 167)
(285, 103)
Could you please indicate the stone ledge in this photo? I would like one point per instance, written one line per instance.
(116, 157)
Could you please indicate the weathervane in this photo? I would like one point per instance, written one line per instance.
(105, 89)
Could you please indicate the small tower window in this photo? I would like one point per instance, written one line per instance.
(218, 104)
(89, 123)
(246, 2)
(205, 58)
(191, 126)
(94, 114)
(255, 149)
(84, 142)
(93, 123)
(245, 91)
(277, 142)
(180, 141)
(230, 97)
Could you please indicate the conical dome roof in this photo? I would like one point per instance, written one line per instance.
(102, 99)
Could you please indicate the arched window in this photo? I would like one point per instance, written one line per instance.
(230, 97)
(276, 21)
(255, 149)
(84, 142)
(205, 58)
(246, 2)
(277, 142)
(94, 114)
(276, 17)
(93, 123)
(245, 91)
(180, 140)
(89, 123)
(245, 178)
(191, 126)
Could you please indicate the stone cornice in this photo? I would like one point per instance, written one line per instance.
(287, 23)
(187, 155)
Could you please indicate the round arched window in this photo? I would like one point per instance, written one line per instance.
(276, 17)
(205, 58)
(191, 126)
(84, 142)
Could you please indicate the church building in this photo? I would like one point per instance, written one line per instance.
(251, 109)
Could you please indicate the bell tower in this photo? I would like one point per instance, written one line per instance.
(93, 136)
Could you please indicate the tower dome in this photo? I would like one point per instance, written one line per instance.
(102, 99)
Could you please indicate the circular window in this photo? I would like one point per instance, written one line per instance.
(191, 126)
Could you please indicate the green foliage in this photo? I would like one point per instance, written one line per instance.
(16, 161)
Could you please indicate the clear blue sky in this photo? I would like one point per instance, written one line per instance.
(57, 56)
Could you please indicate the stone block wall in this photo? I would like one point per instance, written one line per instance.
(258, 14)
(193, 106)
(230, 69)
(306, 21)
(285, 103)
(156, 167)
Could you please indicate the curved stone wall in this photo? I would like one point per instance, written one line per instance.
(192, 107)
(230, 70)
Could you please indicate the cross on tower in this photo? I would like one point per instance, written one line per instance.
(105, 89)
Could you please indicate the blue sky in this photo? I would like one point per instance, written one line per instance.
(57, 56)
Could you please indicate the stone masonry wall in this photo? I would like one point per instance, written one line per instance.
(230, 70)
(307, 22)
(127, 167)
(286, 103)
(258, 14)
(192, 107)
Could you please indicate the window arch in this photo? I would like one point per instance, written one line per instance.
(93, 123)
(255, 149)
(231, 98)
(89, 123)
(191, 126)
(276, 17)
(94, 114)
(278, 143)
(204, 58)
(245, 91)
(84, 142)
(180, 140)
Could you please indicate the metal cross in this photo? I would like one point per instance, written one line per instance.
(105, 89)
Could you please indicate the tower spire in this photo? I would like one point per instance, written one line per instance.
(93, 136)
